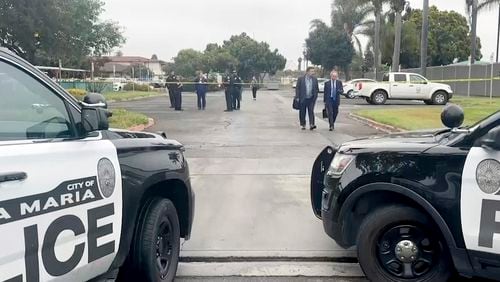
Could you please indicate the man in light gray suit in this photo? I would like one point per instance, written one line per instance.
(306, 92)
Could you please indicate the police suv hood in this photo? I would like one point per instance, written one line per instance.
(416, 141)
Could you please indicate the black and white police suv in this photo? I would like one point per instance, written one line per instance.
(79, 201)
(419, 206)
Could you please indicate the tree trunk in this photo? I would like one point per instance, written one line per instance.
(397, 42)
(473, 36)
(376, 48)
(425, 38)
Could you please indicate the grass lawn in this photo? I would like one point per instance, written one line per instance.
(427, 117)
(129, 95)
(124, 119)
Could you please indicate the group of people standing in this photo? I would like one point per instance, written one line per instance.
(306, 94)
(233, 88)
(175, 88)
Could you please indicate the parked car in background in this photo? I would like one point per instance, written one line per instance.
(294, 83)
(405, 86)
(321, 84)
(355, 84)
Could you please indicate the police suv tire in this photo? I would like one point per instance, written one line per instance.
(350, 94)
(379, 97)
(159, 212)
(381, 220)
(440, 98)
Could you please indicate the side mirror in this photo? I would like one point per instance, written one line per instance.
(452, 116)
(94, 119)
(492, 139)
(95, 100)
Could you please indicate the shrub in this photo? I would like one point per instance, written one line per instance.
(77, 93)
(136, 87)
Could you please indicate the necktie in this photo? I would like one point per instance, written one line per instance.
(334, 90)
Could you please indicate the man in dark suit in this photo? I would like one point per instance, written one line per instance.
(306, 92)
(171, 79)
(333, 90)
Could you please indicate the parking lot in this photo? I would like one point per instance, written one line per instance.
(250, 171)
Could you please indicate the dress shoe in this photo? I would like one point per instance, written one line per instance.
(313, 127)
(303, 127)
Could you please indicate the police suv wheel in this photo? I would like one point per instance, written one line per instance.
(350, 94)
(158, 243)
(398, 243)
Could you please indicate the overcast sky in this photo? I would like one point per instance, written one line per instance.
(164, 27)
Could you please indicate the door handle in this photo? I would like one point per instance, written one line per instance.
(13, 176)
(411, 85)
(395, 85)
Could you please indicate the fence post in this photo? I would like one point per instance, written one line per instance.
(491, 82)
(468, 84)
(486, 81)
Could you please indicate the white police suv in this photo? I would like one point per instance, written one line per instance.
(79, 201)
(419, 206)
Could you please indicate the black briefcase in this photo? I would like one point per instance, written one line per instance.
(296, 104)
(325, 113)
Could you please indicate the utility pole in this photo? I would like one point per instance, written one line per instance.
(498, 31)
(425, 38)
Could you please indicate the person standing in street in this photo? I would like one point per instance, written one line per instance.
(255, 86)
(235, 90)
(178, 93)
(201, 85)
(306, 92)
(171, 88)
(333, 90)
(227, 92)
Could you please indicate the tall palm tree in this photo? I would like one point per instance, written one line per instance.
(352, 16)
(398, 6)
(424, 43)
(473, 7)
(378, 8)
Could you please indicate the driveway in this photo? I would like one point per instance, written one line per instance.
(251, 172)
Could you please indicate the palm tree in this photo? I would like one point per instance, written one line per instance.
(425, 38)
(398, 6)
(473, 7)
(352, 16)
(377, 8)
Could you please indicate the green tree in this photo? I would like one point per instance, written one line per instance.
(448, 36)
(219, 60)
(329, 47)
(188, 62)
(253, 57)
(45, 31)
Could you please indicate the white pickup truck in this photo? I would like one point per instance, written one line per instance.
(404, 86)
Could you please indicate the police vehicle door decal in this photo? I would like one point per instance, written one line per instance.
(62, 221)
(480, 201)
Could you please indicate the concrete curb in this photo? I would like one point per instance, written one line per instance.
(134, 99)
(376, 125)
(142, 127)
(270, 269)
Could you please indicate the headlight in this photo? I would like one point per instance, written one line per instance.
(339, 164)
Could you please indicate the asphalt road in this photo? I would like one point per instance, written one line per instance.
(251, 171)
